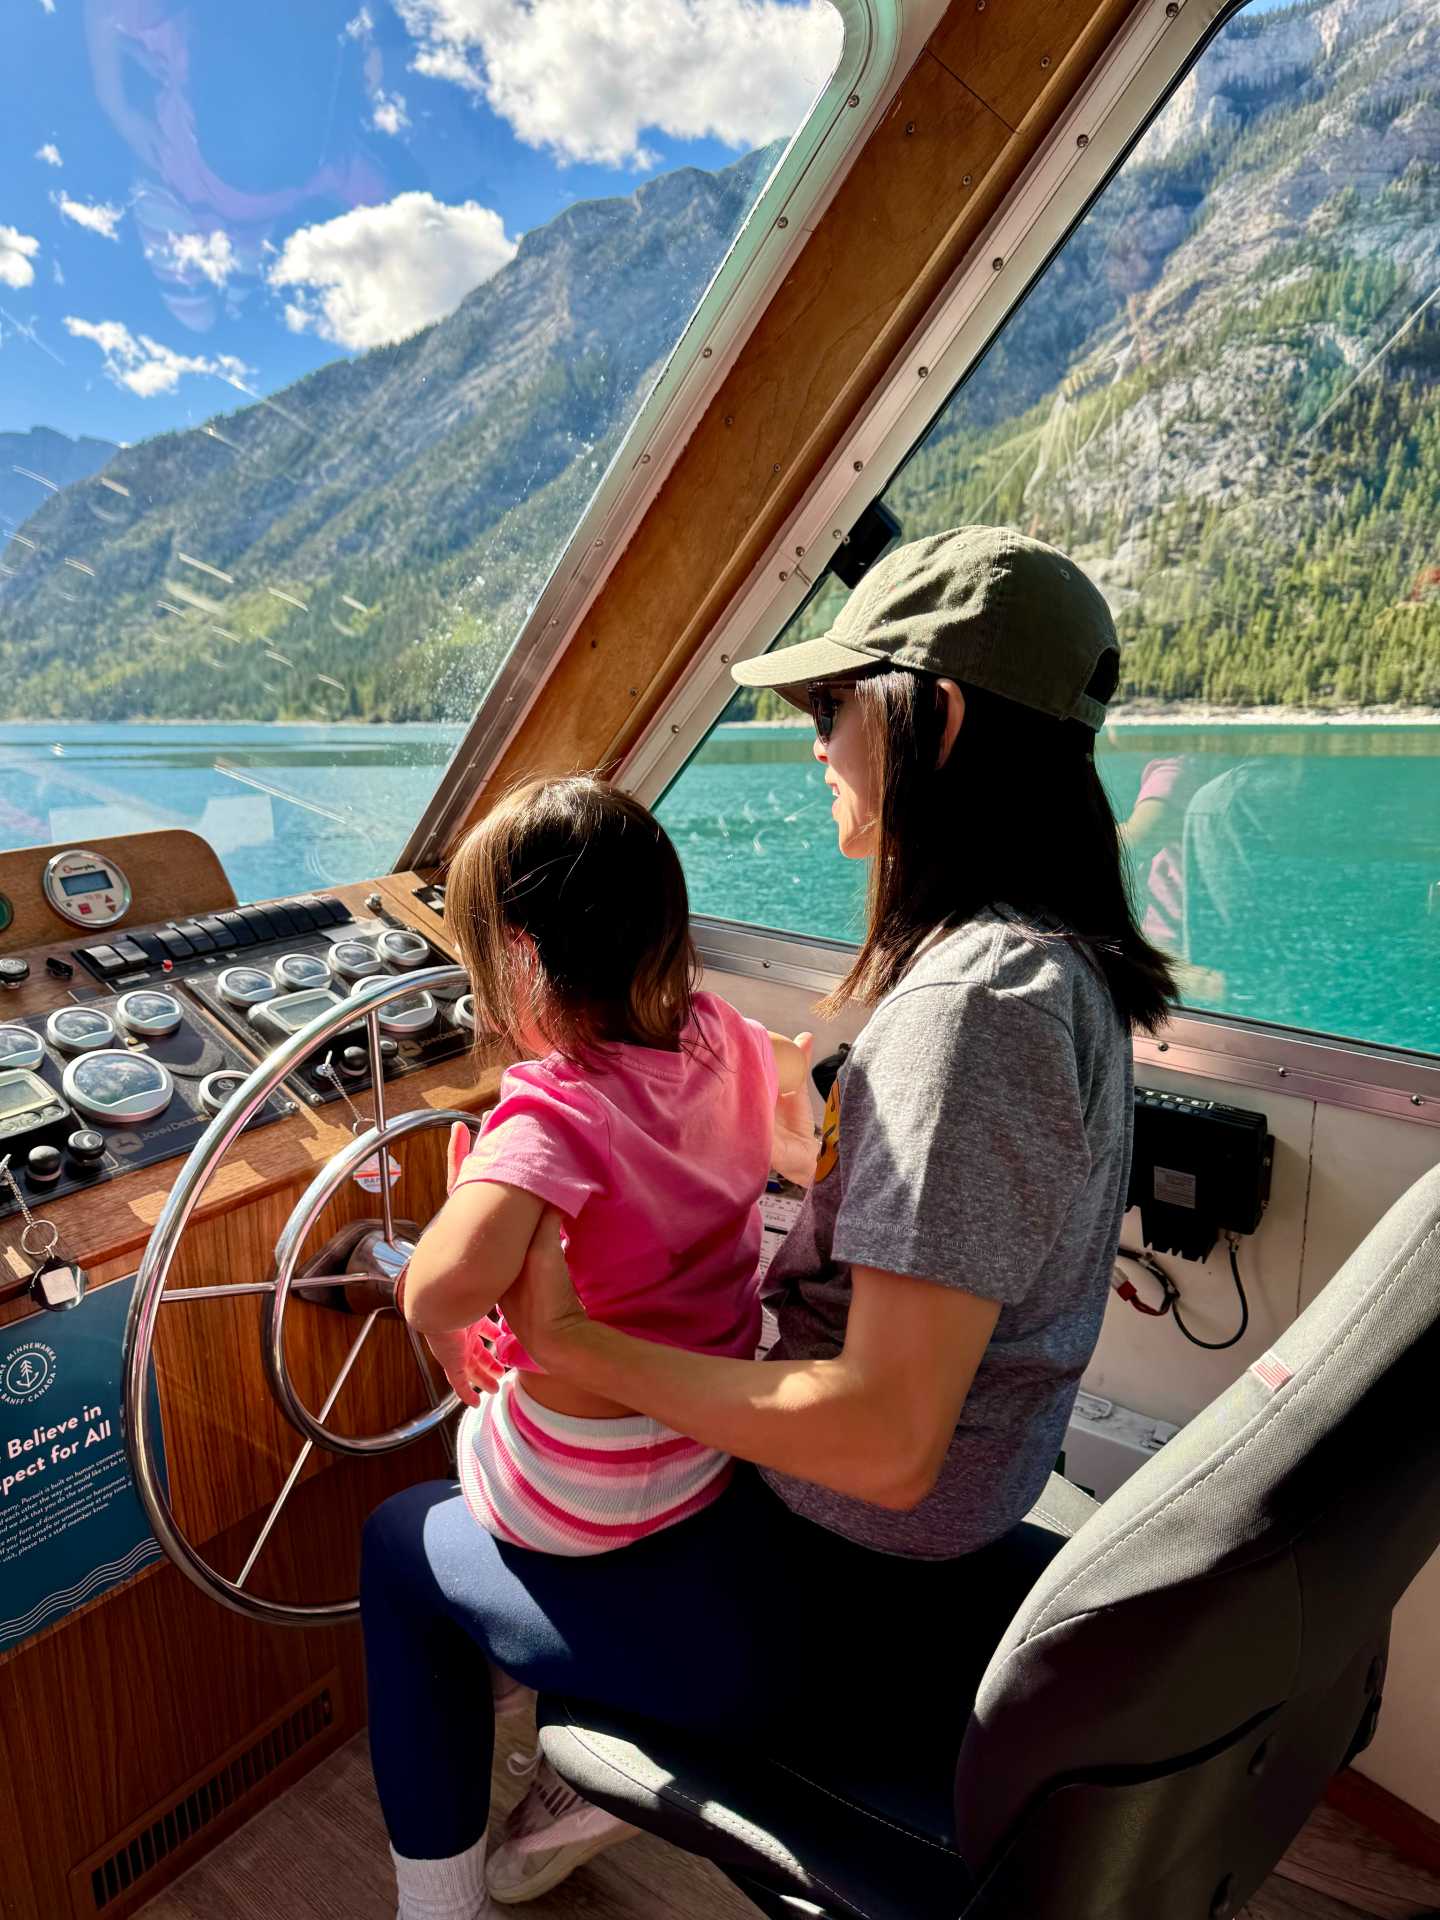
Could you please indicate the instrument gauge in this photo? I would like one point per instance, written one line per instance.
(217, 1088)
(462, 1012)
(411, 1013)
(78, 1029)
(148, 1012)
(121, 1088)
(354, 959)
(87, 889)
(19, 1046)
(295, 971)
(244, 986)
(401, 948)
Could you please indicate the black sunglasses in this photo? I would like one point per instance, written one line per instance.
(821, 695)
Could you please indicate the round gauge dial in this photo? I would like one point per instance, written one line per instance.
(77, 1029)
(216, 1088)
(244, 986)
(295, 971)
(87, 889)
(117, 1087)
(354, 959)
(145, 1011)
(399, 947)
(411, 1013)
(19, 1046)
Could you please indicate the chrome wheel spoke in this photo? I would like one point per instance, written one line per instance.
(304, 1454)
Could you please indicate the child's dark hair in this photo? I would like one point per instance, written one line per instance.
(569, 907)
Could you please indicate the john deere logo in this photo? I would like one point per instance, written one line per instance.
(27, 1373)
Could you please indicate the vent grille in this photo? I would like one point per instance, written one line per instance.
(194, 1810)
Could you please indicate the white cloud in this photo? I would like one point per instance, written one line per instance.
(210, 255)
(146, 367)
(361, 27)
(584, 80)
(17, 250)
(390, 115)
(97, 216)
(48, 5)
(50, 154)
(379, 273)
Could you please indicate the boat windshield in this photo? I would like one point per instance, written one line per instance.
(322, 324)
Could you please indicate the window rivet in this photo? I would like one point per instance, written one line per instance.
(854, 100)
(783, 221)
(839, 534)
(1044, 59)
(965, 179)
(644, 459)
(674, 729)
(1082, 139)
(554, 623)
(909, 126)
(634, 693)
(599, 543)
(922, 373)
(1282, 1071)
(799, 553)
(1172, 9)
(776, 467)
(998, 262)
(729, 419)
(724, 659)
(1416, 1100)
(979, 6)
(783, 574)
(859, 466)
(705, 352)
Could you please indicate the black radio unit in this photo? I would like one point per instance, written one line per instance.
(1197, 1169)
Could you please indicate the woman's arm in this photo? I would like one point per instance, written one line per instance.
(875, 1422)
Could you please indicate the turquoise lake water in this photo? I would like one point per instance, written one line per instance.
(1301, 868)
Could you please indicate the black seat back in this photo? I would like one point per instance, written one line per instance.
(1189, 1670)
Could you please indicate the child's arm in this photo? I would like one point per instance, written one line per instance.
(469, 1254)
(792, 1151)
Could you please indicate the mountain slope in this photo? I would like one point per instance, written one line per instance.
(56, 456)
(384, 522)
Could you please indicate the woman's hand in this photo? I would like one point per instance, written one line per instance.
(542, 1308)
(466, 1361)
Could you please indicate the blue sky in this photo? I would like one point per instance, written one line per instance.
(199, 201)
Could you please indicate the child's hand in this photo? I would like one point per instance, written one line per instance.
(792, 1150)
(462, 1145)
(468, 1364)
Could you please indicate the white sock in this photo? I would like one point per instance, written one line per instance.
(452, 1889)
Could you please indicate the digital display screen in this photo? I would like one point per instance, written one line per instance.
(21, 1094)
(293, 1014)
(111, 1078)
(79, 1022)
(92, 880)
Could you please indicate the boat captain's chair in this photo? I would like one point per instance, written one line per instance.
(1198, 1657)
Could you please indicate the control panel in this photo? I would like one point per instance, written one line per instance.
(92, 1090)
(265, 972)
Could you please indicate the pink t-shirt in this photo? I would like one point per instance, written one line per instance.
(658, 1161)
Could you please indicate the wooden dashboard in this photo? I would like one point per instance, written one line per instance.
(154, 1719)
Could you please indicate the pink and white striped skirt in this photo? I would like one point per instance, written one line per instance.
(559, 1484)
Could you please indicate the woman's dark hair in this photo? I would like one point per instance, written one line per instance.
(1015, 818)
(569, 907)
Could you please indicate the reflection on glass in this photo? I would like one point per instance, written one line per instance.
(1223, 397)
(321, 326)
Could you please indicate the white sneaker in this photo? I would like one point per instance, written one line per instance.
(550, 1833)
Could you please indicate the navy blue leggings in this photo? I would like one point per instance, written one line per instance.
(744, 1620)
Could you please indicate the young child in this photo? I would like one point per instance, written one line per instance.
(649, 1114)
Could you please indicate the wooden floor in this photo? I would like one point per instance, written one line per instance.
(320, 1854)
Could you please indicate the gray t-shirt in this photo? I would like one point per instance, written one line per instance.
(978, 1136)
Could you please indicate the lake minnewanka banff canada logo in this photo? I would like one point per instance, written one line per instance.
(29, 1372)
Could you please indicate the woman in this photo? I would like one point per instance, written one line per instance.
(937, 1301)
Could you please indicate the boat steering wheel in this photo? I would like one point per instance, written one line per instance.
(374, 1291)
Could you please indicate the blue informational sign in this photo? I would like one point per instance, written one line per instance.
(71, 1524)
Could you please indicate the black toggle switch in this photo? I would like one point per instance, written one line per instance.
(14, 973)
(43, 1165)
(86, 1148)
(57, 968)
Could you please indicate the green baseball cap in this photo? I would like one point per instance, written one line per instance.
(982, 604)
